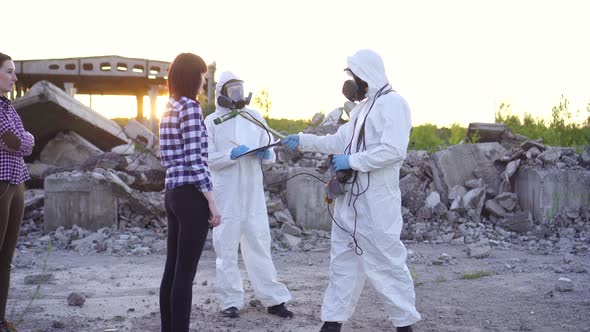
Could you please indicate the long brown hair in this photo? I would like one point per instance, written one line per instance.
(184, 77)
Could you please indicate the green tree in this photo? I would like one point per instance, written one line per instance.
(262, 102)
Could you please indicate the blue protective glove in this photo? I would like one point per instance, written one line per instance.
(291, 141)
(238, 150)
(340, 162)
(263, 154)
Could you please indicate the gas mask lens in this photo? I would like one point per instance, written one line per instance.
(234, 91)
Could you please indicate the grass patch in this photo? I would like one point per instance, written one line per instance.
(476, 275)
(414, 274)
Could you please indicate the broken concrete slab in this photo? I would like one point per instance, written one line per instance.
(68, 149)
(474, 200)
(546, 192)
(306, 199)
(91, 200)
(107, 160)
(81, 200)
(459, 163)
(47, 110)
(485, 132)
(532, 144)
(141, 134)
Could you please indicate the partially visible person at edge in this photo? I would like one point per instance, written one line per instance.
(15, 143)
(190, 205)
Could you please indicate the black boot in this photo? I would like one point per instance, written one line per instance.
(231, 312)
(280, 310)
(404, 329)
(331, 327)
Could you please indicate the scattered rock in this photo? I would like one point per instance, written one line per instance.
(564, 285)
(76, 299)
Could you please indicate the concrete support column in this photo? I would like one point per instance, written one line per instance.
(19, 90)
(139, 116)
(69, 88)
(153, 93)
(211, 83)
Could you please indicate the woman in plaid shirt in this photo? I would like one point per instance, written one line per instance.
(190, 206)
(15, 143)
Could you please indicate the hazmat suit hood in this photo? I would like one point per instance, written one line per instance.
(369, 67)
(224, 77)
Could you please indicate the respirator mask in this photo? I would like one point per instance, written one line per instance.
(354, 89)
(232, 95)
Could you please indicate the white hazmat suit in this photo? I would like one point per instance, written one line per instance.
(379, 217)
(239, 193)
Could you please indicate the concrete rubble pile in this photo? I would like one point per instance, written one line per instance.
(505, 190)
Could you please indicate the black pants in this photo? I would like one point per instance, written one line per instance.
(188, 214)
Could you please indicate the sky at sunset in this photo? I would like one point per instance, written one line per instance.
(454, 61)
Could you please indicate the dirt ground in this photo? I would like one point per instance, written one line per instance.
(122, 293)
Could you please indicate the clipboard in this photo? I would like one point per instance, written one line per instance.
(262, 148)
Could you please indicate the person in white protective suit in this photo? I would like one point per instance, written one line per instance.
(239, 193)
(365, 241)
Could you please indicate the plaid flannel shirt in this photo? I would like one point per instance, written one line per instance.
(183, 145)
(12, 163)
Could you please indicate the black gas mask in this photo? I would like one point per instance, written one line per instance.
(232, 95)
(355, 89)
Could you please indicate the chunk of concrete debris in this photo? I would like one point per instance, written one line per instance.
(291, 242)
(461, 162)
(274, 205)
(284, 216)
(56, 324)
(68, 149)
(474, 200)
(509, 201)
(39, 279)
(432, 200)
(511, 168)
(485, 132)
(140, 134)
(533, 152)
(457, 191)
(564, 285)
(107, 160)
(550, 156)
(480, 249)
(585, 156)
(532, 144)
(474, 183)
(290, 229)
(409, 183)
(492, 207)
(520, 222)
(76, 299)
